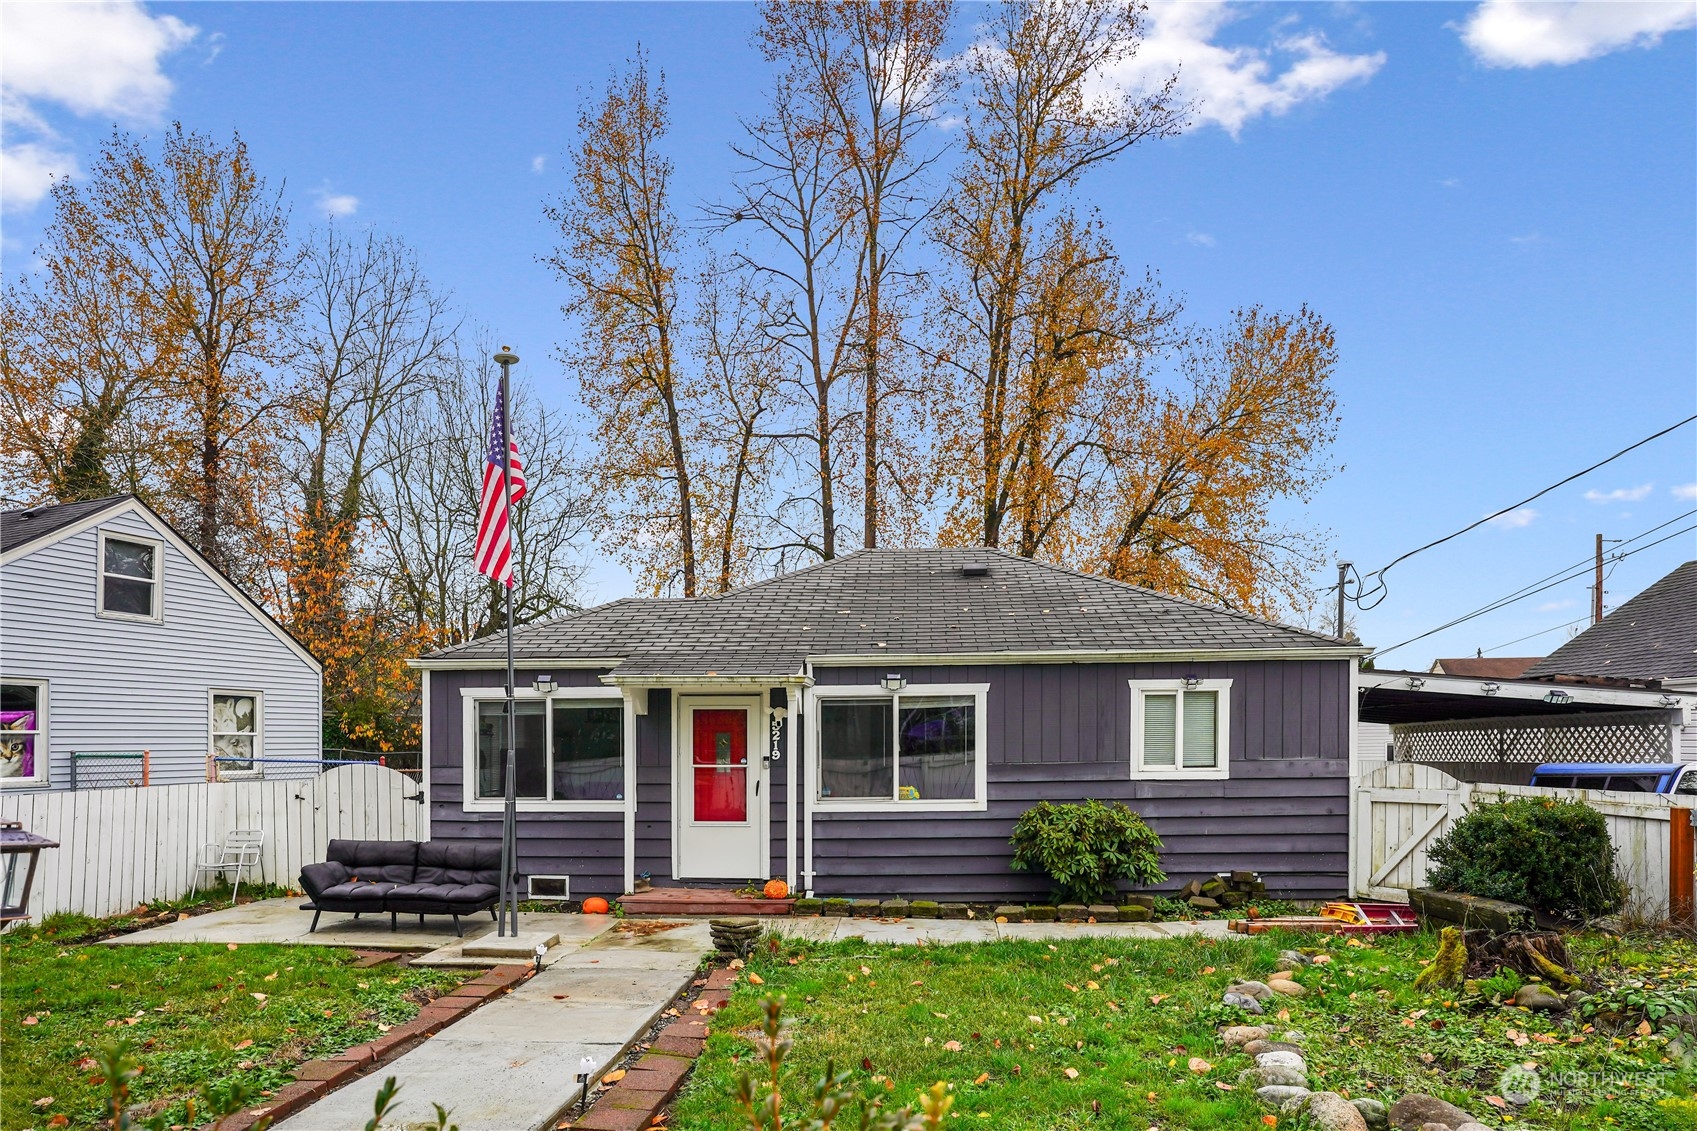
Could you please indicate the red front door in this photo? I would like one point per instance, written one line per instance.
(720, 765)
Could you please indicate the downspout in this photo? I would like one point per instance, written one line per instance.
(807, 797)
(793, 702)
(628, 696)
(1355, 834)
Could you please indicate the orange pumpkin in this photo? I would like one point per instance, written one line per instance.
(595, 905)
(775, 889)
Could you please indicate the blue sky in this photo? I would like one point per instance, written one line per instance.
(1495, 205)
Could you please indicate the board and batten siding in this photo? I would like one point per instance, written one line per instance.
(120, 685)
(1062, 732)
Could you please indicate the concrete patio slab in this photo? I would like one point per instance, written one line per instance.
(511, 1065)
(943, 932)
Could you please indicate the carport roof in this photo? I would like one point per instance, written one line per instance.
(1421, 697)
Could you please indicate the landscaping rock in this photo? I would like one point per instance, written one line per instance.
(896, 909)
(1135, 913)
(1534, 996)
(1203, 903)
(1256, 1048)
(1293, 958)
(1272, 1076)
(866, 908)
(1471, 1127)
(734, 936)
(1294, 1036)
(1287, 987)
(1104, 912)
(1282, 1059)
(1280, 1094)
(923, 909)
(1243, 1002)
(1214, 887)
(1260, 991)
(1012, 912)
(1073, 912)
(1415, 1110)
(1373, 1113)
(1144, 901)
(807, 907)
(836, 907)
(952, 911)
(1239, 1036)
(1331, 1112)
(1039, 913)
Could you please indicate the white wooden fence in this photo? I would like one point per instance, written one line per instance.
(1401, 808)
(119, 848)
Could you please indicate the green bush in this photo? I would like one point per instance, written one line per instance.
(1553, 856)
(1087, 849)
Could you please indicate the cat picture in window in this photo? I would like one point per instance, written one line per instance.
(17, 744)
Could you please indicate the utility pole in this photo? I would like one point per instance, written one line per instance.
(1597, 588)
(1343, 572)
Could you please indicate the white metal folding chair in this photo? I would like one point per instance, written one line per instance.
(238, 853)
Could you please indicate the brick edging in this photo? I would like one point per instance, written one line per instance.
(316, 1079)
(633, 1102)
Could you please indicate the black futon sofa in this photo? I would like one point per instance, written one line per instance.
(430, 878)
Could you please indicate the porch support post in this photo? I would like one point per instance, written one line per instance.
(791, 769)
(630, 694)
(1682, 890)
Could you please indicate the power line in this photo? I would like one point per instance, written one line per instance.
(1521, 595)
(1380, 587)
(1540, 632)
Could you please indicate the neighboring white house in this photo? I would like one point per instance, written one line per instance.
(116, 636)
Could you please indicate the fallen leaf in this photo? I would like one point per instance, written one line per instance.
(60, 1120)
(44, 1101)
(272, 977)
(32, 1019)
(87, 1064)
(1496, 1101)
(1225, 1087)
(1091, 986)
(614, 1076)
(229, 946)
(259, 997)
(1269, 1121)
(1197, 1064)
(1644, 1029)
(951, 1046)
(1207, 969)
(247, 1044)
(1157, 999)
(755, 979)
(982, 1076)
(866, 969)
(943, 1016)
(1071, 1073)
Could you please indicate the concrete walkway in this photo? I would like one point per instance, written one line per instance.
(511, 1065)
(941, 932)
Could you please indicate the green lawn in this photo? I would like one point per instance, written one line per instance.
(1128, 1016)
(195, 1013)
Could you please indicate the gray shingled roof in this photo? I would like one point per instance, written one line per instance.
(21, 527)
(888, 602)
(1652, 636)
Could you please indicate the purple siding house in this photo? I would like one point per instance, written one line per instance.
(875, 725)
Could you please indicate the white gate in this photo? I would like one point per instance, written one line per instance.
(1402, 808)
(119, 848)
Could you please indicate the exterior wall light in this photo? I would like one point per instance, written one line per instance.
(1490, 688)
(1415, 683)
(895, 681)
(544, 684)
(1191, 681)
(1558, 697)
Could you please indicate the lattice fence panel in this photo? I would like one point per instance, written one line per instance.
(1625, 736)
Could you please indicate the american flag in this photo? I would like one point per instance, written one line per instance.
(494, 553)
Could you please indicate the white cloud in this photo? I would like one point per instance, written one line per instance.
(1515, 519)
(28, 170)
(335, 204)
(1200, 239)
(1232, 85)
(539, 163)
(1533, 33)
(1620, 494)
(1686, 491)
(93, 60)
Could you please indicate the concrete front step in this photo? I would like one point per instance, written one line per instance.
(701, 901)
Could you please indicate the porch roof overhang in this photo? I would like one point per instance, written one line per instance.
(1420, 697)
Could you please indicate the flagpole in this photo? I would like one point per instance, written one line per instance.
(509, 816)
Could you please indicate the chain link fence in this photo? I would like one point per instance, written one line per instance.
(110, 769)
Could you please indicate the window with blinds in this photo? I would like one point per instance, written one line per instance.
(1182, 730)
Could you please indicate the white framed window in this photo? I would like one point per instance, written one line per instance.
(131, 569)
(1180, 728)
(569, 749)
(236, 726)
(23, 732)
(919, 748)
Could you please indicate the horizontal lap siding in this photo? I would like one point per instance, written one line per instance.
(588, 847)
(1061, 732)
(654, 787)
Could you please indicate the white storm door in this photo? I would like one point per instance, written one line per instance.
(718, 819)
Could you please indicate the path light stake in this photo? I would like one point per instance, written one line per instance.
(584, 1068)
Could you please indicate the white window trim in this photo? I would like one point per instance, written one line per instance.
(1222, 734)
(100, 608)
(43, 770)
(469, 699)
(979, 801)
(258, 698)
